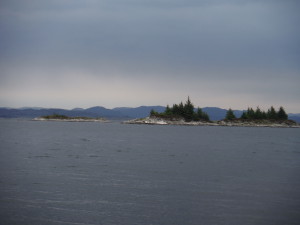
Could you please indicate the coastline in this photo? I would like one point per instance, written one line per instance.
(181, 122)
(72, 120)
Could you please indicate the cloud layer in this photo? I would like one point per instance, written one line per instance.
(113, 53)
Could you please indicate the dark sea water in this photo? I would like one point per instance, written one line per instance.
(109, 173)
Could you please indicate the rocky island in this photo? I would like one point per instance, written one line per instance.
(186, 114)
(234, 123)
(57, 117)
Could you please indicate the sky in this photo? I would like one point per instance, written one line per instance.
(115, 53)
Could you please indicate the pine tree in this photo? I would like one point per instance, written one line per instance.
(205, 116)
(181, 109)
(168, 111)
(263, 115)
(199, 113)
(153, 113)
(175, 109)
(258, 114)
(250, 114)
(272, 114)
(188, 110)
(230, 115)
(282, 114)
(244, 115)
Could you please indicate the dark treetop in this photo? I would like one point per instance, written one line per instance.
(185, 111)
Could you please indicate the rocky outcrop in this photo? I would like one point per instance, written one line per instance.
(161, 121)
(71, 120)
(234, 123)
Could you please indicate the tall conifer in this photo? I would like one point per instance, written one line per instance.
(230, 115)
(282, 114)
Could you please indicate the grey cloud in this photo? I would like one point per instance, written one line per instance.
(211, 40)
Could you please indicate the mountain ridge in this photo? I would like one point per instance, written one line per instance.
(215, 113)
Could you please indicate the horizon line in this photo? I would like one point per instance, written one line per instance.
(39, 107)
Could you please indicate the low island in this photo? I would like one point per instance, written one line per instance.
(186, 114)
(57, 117)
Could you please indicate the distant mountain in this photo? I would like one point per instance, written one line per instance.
(116, 113)
(28, 112)
(32, 113)
(295, 117)
(139, 112)
(99, 111)
(78, 109)
(31, 108)
(216, 113)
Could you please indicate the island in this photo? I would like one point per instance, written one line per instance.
(57, 117)
(186, 114)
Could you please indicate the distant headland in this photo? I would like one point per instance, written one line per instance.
(57, 117)
(186, 114)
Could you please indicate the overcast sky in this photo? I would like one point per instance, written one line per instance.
(83, 53)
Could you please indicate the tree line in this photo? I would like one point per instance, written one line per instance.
(186, 111)
(258, 114)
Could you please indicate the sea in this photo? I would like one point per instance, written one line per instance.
(91, 173)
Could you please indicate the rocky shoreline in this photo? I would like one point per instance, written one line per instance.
(71, 120)
(160, 121)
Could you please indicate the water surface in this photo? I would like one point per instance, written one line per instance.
(109, 173)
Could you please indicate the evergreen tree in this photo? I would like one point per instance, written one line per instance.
(244, 116)
(258, 114)
(272, 114)
(250, 114)
(175, 109)
(230, 115)
(168, 111)
(205, 116)
(188, 110)
(199, 113)
(282, 114)
(153, 113)
(263, 115)
(181, 109)
(185, 111)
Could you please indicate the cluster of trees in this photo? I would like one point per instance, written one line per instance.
(186, 111)
(63, 117)
(258, 114)
(56, 116)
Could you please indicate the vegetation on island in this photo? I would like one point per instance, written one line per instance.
(258, 114)
(56, 116)
(230, 115)
(63, 117)
(185, 111)
(188, 113)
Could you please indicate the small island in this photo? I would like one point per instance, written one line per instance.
(259, 118)
(186, 114)
(57, 117)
